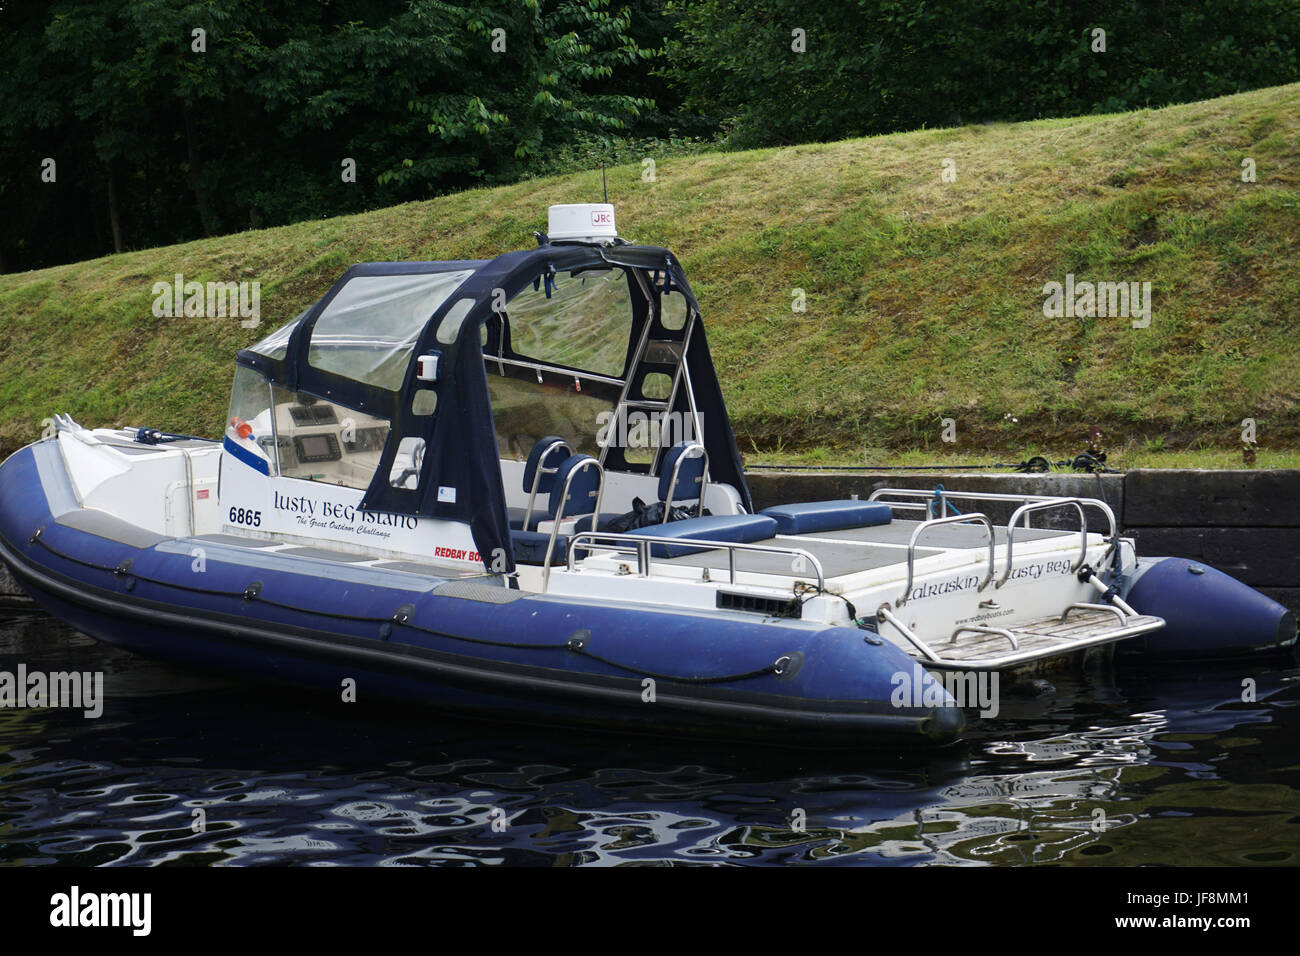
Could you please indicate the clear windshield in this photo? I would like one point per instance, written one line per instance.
(369, 329)
(525, 411)
(585, 323)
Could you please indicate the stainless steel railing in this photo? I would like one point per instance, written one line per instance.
(933, 523)
(640, 545)
(1025, 510)
(1029, 505)
(923, 497)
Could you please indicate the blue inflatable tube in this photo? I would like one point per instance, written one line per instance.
(498, 654)
(1208, 614)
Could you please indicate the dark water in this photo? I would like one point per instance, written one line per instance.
(1181, 769)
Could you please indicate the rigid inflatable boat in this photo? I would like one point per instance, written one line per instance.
(510, 488)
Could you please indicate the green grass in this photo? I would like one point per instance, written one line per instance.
(924, 298)
(1123, 459)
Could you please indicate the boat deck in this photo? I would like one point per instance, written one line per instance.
(860, 549)
(840, 553)
(325, 553)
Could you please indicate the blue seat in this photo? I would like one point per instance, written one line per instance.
(582, 474)
(517, 517)
(575, 490)
(813, 516)
(684, 476)
(738, 529)
(539, 479)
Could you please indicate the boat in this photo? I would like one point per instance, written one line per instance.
(509, 488)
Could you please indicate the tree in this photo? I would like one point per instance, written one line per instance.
(874, 66)
(163, 134)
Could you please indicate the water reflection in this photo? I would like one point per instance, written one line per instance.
(1109, 768)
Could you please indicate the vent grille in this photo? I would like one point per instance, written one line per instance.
(772, 607)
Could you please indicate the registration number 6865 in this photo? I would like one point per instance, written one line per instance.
(246, 516)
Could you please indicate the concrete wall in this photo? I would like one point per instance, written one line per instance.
(1245, 523)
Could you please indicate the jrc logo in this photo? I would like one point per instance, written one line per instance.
(600, 217)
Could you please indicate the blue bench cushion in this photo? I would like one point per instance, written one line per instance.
(740, 529)
(580, 523)
(812, 516)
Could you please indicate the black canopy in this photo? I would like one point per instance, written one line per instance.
(461, 456)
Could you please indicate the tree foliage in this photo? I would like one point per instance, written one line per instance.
(872, 66)
(159, 135)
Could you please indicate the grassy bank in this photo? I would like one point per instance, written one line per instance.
(924, 298)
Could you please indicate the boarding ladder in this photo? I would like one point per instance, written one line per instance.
(661, 350)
